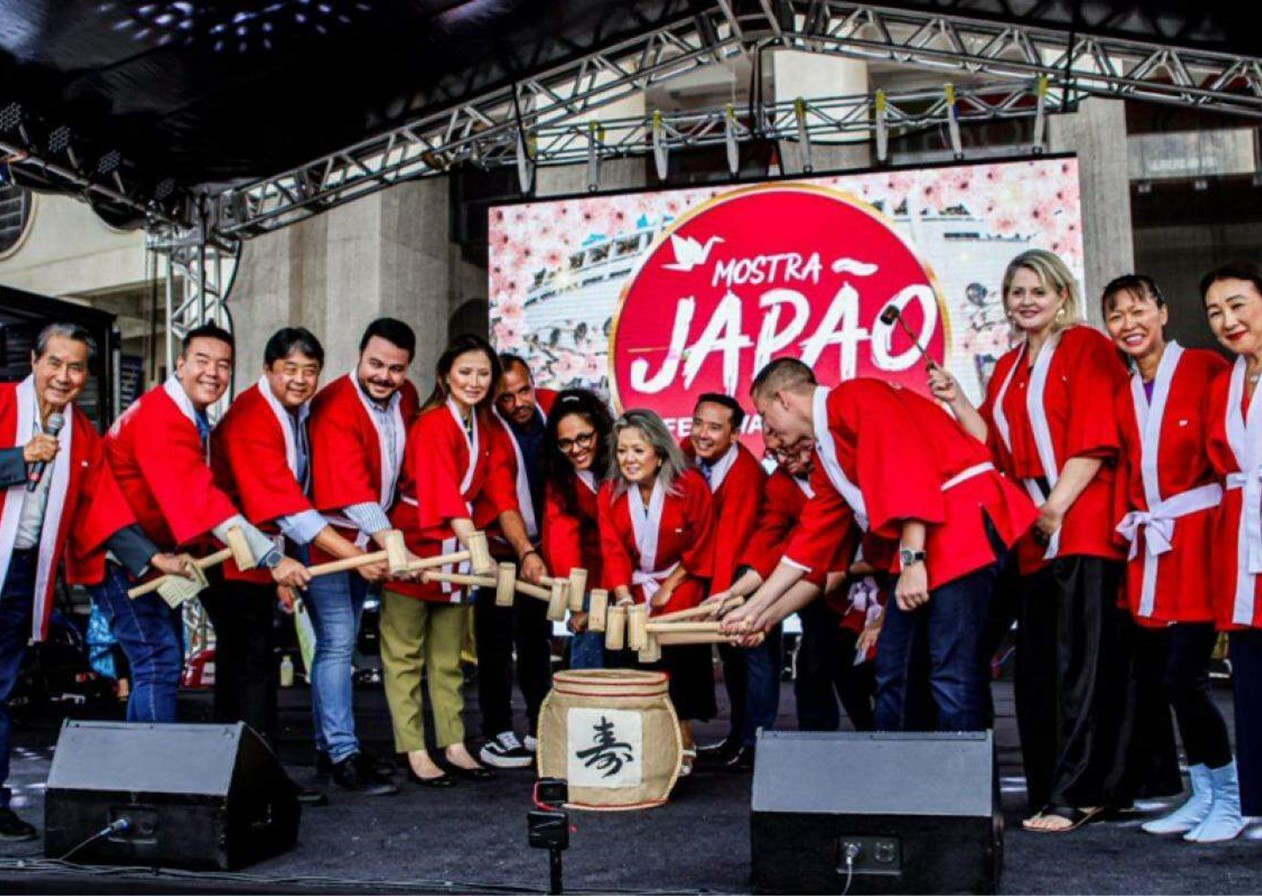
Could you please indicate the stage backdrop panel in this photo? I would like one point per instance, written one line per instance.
(656, 297)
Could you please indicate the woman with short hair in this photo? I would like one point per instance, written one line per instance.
(1168, 500)
(1233, 304)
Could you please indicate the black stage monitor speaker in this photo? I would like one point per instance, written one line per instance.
(176, 795)
(913, 812)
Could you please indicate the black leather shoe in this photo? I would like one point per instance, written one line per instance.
(312, 798)
(722, 752)
(742, 761)
(375, 764)
(443, 780)
(14, 829)
(323, 764)
(468, 774)
(350, 774)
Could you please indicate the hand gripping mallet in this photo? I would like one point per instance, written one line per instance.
(238, 549)
(557, 596)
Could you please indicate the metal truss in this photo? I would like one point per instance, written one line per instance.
(553, 117)
(200, 267)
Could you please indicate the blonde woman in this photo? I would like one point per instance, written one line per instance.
(657, 542)
(1049, 418)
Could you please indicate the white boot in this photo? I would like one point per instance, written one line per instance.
(1223, 821)
(1193, 812)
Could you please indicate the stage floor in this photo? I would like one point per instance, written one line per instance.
(472, 838)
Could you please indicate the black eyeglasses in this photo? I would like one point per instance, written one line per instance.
(582, 440)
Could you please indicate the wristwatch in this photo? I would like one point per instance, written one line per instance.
(271, 559)
(907, 557)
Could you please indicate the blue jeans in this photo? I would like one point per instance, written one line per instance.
(762, 694)
(17, 599)
(334, 602)
(147, 630)
(587, 650)
(953, 626)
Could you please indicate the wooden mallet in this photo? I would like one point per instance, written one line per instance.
(556, 596)
(615, 628)
(238, 549)
(576, 584)
(598, 610)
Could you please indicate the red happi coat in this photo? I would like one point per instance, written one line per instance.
(1081, 372)
(447, 476)
(1235, 451)
(784, 501)
(346, 454)
(85, 506)
(884, 454)
(163, 471)
(684, 534)
(571, 530)
(532, 516)
(253, 455)
(737, 482)
(1165, 465)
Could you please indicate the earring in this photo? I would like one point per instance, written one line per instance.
(1060, 312)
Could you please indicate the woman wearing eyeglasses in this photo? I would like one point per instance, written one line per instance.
(575, 462)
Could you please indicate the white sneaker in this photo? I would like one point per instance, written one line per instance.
(531, 743)
(505, 751)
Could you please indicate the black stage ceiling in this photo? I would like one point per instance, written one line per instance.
(187, 93)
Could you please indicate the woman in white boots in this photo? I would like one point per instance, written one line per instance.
(1233, 304)
(1170, 493)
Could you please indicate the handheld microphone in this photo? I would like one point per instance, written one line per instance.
(892, 314)
(55, 422)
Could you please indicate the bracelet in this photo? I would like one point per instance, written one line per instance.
(527, 554)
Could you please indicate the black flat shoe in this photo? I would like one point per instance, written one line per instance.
(312, 798)
(469, 774)
(443, 780)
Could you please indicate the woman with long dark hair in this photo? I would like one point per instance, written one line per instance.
(575, 463)
(1233, 304)
(453, 483)
(656, 534)
(1050, 421)
(1169, 497)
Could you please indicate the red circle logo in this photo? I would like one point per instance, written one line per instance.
(764, 273)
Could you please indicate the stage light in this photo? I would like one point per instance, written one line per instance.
(595, 134)
(882, 132)
(1040, 115)
(660, 152)
(804, 137)
(953, 123)
(525, 161)
(729, 138)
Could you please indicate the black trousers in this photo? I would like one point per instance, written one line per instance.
(1152, 756)
(691, 670)
(1070, 684)
(500, 632)
(247, 670)
(1246, 672)
(736, 683)
(1189, 647)
(825, 673)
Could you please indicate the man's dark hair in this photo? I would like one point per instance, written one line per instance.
(73, 332)
(207, 331)
(288, 340)
(1234, 270)
(508, 361)
(727, 401)
(393, 331)
(1138, 285)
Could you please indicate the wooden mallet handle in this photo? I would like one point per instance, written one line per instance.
(662, 628)
(457, 578)
(669, 639)
(202, 563)
(730, 604)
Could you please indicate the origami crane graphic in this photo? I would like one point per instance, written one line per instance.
(689, 253)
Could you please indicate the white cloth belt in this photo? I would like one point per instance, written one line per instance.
(1158, 522)
(1250, 520)
(965, 475)
(651, 582)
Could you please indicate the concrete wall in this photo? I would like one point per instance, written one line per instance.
(1097, 133)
